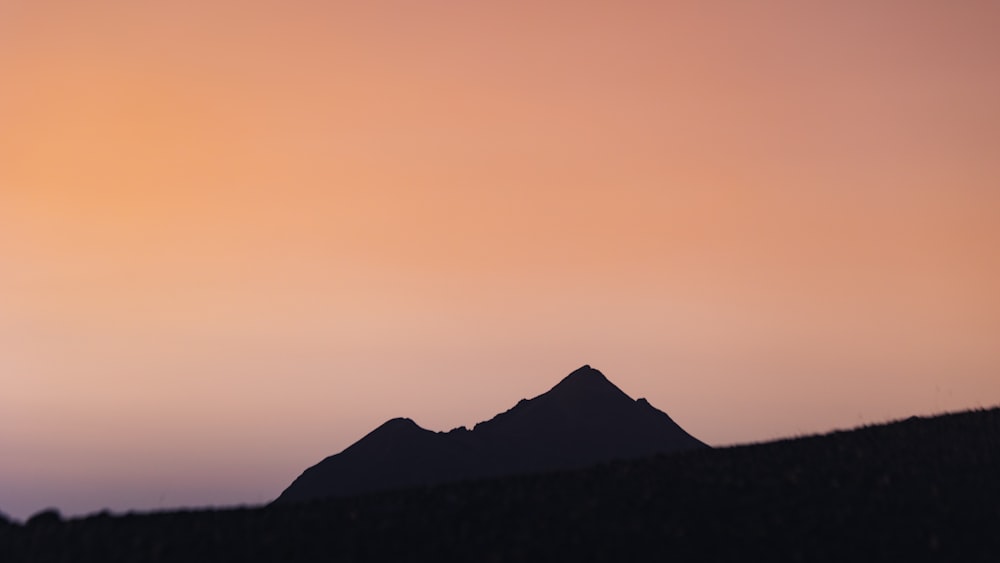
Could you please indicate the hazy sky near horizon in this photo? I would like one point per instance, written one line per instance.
(237, 236)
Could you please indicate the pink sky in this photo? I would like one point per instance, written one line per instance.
(237, 236)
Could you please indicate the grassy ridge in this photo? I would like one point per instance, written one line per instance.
(915, 490)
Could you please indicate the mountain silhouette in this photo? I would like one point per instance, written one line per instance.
(584, 420)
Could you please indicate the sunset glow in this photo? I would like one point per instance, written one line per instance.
(237, 236)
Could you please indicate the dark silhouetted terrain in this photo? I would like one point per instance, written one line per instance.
(923, 489)
(581, 421)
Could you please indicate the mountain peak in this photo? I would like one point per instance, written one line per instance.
(391, 434)
(397, 427)
(399, 422)
(586, 380)
(585, 372)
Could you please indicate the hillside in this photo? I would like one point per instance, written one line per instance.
(922, 489)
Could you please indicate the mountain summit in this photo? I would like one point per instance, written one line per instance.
(586, 381)
(585, 419)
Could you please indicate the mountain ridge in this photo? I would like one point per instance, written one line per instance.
(583, 420)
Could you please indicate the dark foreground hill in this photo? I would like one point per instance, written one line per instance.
(915, 490)
(582, 421)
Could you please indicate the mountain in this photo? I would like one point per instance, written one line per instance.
(584, 420)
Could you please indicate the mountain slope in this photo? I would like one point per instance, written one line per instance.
(581, 421)
(395, 455)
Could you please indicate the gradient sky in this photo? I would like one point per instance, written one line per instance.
(237, 236)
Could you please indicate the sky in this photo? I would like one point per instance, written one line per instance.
(237, 236)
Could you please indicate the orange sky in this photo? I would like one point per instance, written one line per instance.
(236, 236)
